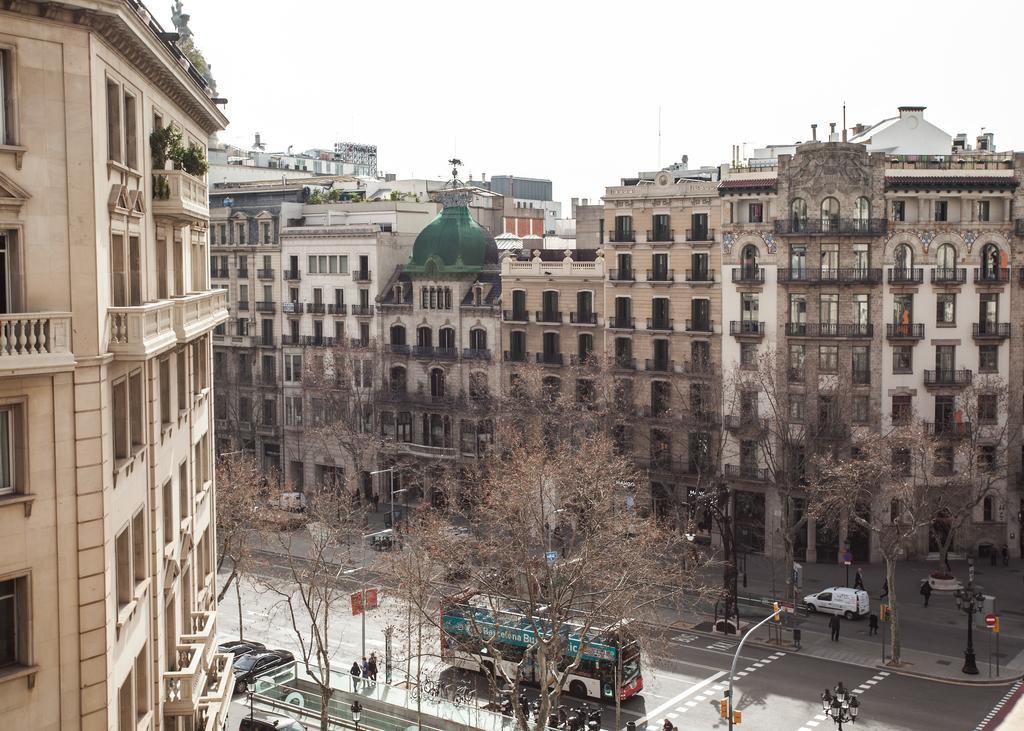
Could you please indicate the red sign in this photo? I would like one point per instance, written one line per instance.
(371, 598)
(357, 603)
(990, 620)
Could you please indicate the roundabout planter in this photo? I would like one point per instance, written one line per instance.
(941, 581)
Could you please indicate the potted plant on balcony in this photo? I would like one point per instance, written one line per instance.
(165, 144)
(193, 160)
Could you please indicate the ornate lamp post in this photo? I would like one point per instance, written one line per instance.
(840, 705)
(969, 602)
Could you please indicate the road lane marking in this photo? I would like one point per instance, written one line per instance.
(685, 694)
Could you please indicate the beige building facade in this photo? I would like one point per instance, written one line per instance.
(107, 583)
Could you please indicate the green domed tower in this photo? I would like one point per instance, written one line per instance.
(453, 243)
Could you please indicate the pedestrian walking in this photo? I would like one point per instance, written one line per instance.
(355, 672)
(858, 582)
(365, 668)
(833, 624)
(926, 591)
(885, 588)
(376, 502)
(668, 726)
(371, 666)
(873, 625)
(1006, 555)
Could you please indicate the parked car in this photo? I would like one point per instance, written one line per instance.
(292, 501)
(840, 600)
(266, 721)
(248, 667)
(240, 647)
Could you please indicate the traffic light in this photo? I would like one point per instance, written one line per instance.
(883, 612)
(995, 627)
(778, 614)
(737, 717)
(723, 707)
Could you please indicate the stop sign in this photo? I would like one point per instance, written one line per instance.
(990, 620)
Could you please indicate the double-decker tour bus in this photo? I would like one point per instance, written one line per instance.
(469, 619)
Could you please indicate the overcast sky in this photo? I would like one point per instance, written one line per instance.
(571, 90)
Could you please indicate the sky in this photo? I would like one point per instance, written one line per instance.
(571, 91)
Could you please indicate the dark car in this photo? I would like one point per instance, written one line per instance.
(241, 647)
(248, 667)
(262, 721)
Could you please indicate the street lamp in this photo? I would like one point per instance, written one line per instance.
(392, 491)
(969, 602)
(356, 711)
(840, 705)
(362, 579)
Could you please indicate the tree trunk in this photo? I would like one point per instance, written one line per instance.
(238, 599)
(788, 549)
(325, 698)
(894, 615)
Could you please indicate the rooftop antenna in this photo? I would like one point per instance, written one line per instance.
(844, 120)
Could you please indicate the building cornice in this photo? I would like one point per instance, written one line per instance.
(133, 34)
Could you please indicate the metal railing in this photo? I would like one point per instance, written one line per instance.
(515, 356)
(948, 429)
(700, 326)
(335, 309)
(830, 225)
(661, 275)
(746, 327)
(829, 330)
(361, 275)
(948, 377)
(622, 323)
(746, 472)
(906, 275)
(264, 306)
(292, 274)
(621, 237)
(316, 308)
(659, 365)
(622, 275)
(515, 315)
(698, 234)
(660, 323)
(949, 275)
(995, 330)
(904, 331)
(587, 318)
(661, 236)
(748, 275)
(992, 275)
(549, 358)
(362, 310)
(264, 273)
(219, 273)
(547, 316)
(476, 353)
(700, 275)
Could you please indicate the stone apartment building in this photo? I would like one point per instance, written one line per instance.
(883, 283)
(107, 580)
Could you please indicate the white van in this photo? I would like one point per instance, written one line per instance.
(840, 600)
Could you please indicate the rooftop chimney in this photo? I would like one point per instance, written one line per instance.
(814, 133)
(858, 128)
(906, 111)
(832, 136)
(960, 142)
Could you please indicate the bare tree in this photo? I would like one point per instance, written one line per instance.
(560, 538)
(242, 488)
(874, 487)
(311, 588)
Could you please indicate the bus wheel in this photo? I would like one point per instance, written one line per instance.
(578, 689)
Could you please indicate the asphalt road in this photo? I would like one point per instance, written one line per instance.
(774, 690)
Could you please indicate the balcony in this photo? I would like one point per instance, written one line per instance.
(291, 308)
(423, 450)
(187, 683)
(847, 226)
(949, 275)
(830, 275)
(138, 332)
(196, 314)
(658, 365)
(663, 276)
(948, 429)
(831, 429)
(660, 324)
(547, 316)
(266, 341)
(751, 473)
(476, 354)
(262, 306)
(948, 377)
(746, 328)
(243, 306)
(549, 358)
(446, 353)
(698, 234)
(622, 275)
(361, 275)
(700, 368)
(621, 237)
(622, 323)
(658, 411)
(700, 276)
(991, 276)
(624, 363)
(586, 318)
(746, 422)
(316, 308)
(515, 356)
(829, 330)
(661, 236)
(264, 273)
(904, 331)
(423, 351)
(317, 341)
(337, 309)
(180, 197)
(397, 348)
(990, 330)
(748, 275)
(362, 310)
(700, 326)
(243, 273)
(216, 273)
(36, 343)
(906, 275)
(292, 275)
(215, 702)
(515, 316)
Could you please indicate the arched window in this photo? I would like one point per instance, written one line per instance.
(945, 264)
(904, 257)
(397, 381)
(862, 213)
(991, 262)
(424, 337)
(446, 338)
(478, 340)
(748, 263)
(436, 383)
(798, 214)
(829, 215)
(398, 335)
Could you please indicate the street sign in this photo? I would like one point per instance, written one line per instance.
(371, 598)
(357, 603)
(991, 620)
(847, 558)
(551, 556)
(788, 607)
(737, 716)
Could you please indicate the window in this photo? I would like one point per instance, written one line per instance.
(242, 326)
(903, 257)
(293, 367)
(14, 622)
(988, 408)
(182, 376)
(861, 316)
(165, 390)
(991, 261)
(902, 408)
(829, 261)
(125, 270)
(269, 412)
(830, 215)
(943, 464)
(114, 121)
(828, 313)
(828, 358)
(755, 213)
(200, 365)
(903, 359)
(127, 415)
(988, 358)
(862, 213)
(7, 122)
(797, 354)
(983, 211)
(860, 408)
(903, 311)
(901, 462)
(748, 355)
(796, 408)
(899, 211)
(293, 410)
(861, 365)
(987, 511)
(798, 214)
(8, 450)
(168, 512)
(941, 210)
(945, 309)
